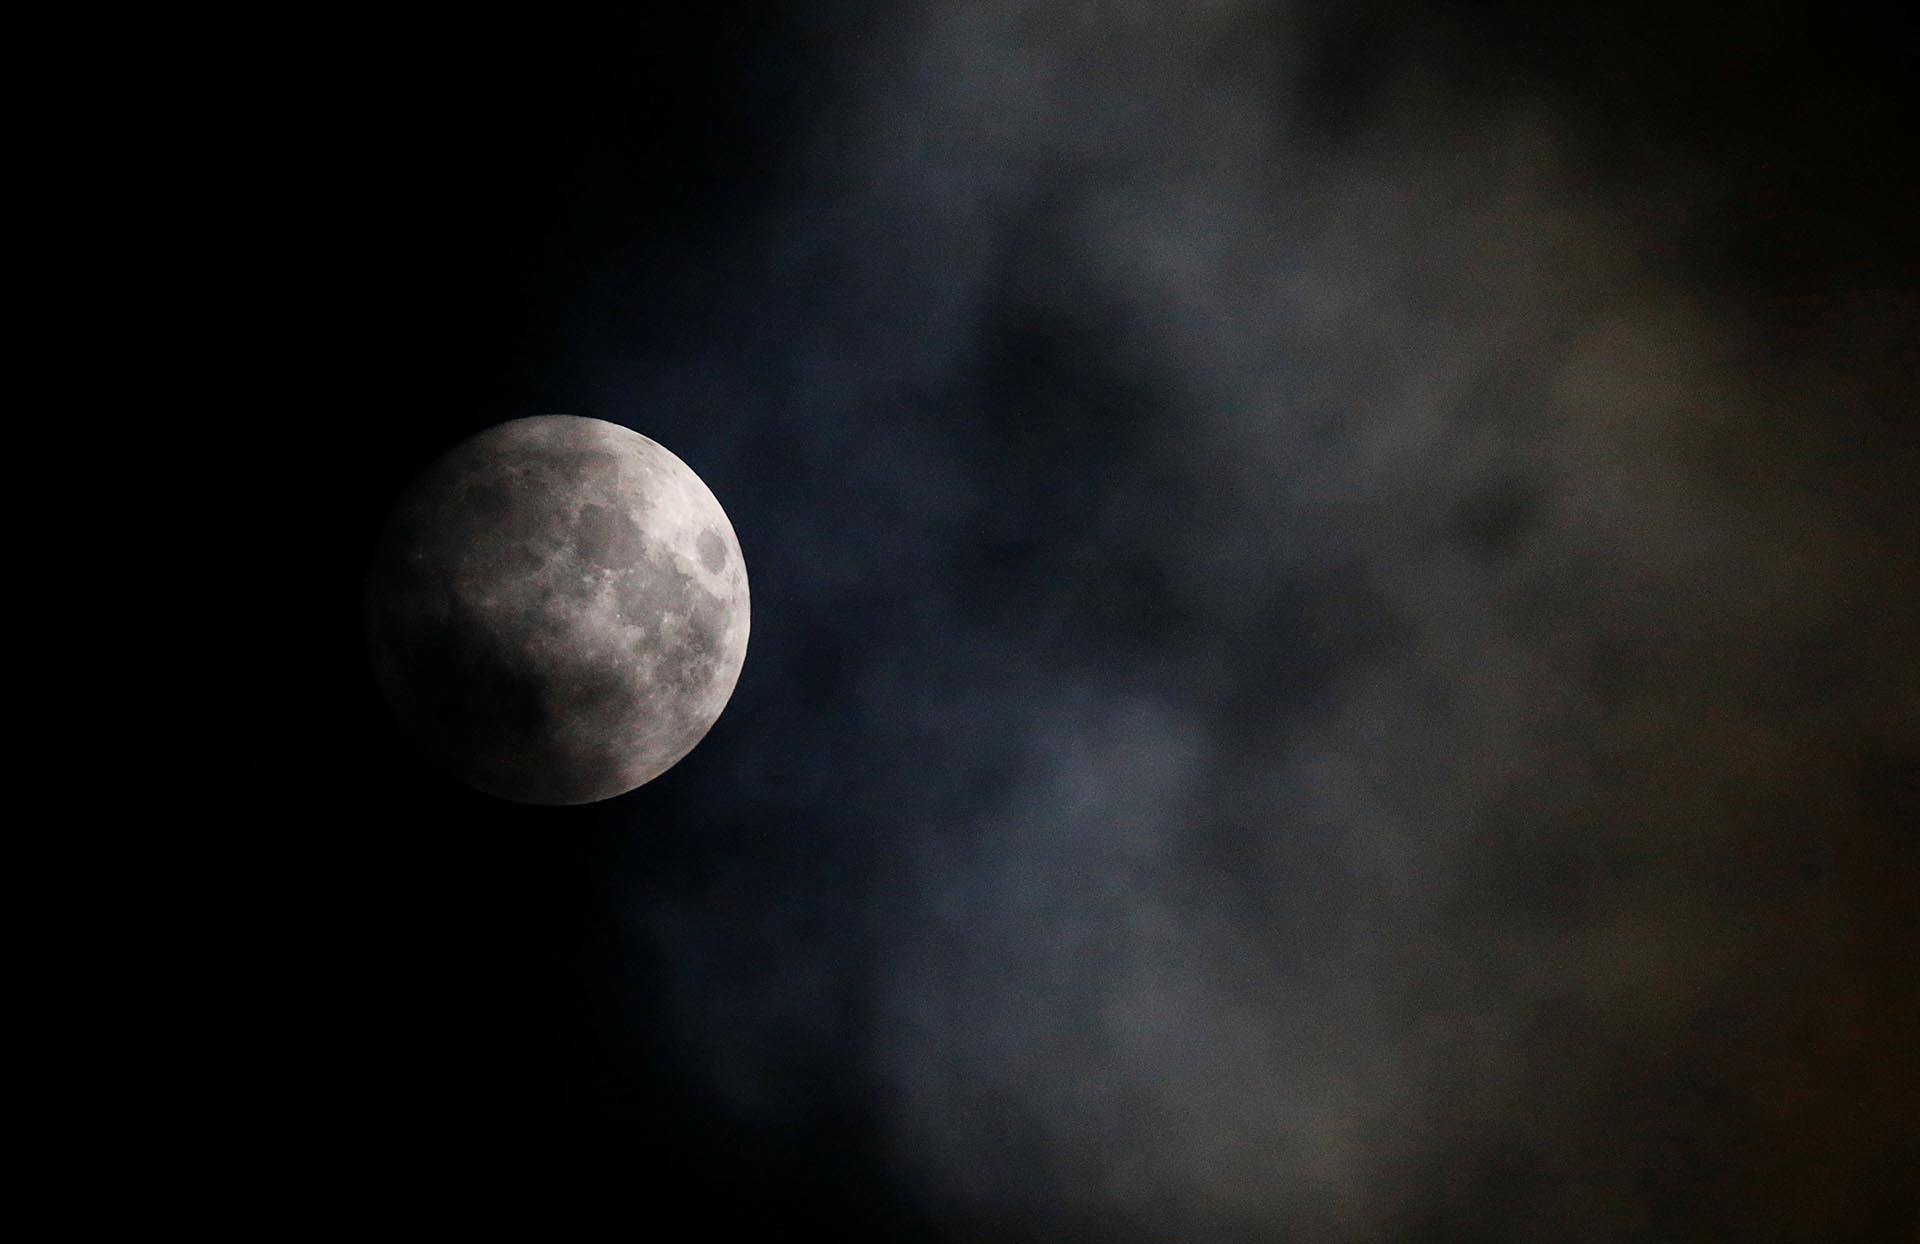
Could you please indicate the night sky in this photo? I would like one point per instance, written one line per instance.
(1336, 624)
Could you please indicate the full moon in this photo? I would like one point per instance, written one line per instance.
(557, 610)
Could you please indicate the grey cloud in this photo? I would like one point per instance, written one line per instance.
(1477, 849)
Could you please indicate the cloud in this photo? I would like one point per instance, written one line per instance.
(1361, 658)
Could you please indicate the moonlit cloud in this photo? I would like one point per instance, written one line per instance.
(1354, 672)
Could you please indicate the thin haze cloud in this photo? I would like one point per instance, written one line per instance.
(1425, 782)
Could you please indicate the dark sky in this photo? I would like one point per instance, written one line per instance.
(1336, 641)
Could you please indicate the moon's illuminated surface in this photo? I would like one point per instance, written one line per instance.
(557, 610)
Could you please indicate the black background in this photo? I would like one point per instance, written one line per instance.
(1018, 563)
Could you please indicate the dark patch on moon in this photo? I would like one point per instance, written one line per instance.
(653, 591)
(712, 550)
(606, 538)
(470, 695)
(490, 500)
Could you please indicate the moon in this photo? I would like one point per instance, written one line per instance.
(557, 610)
